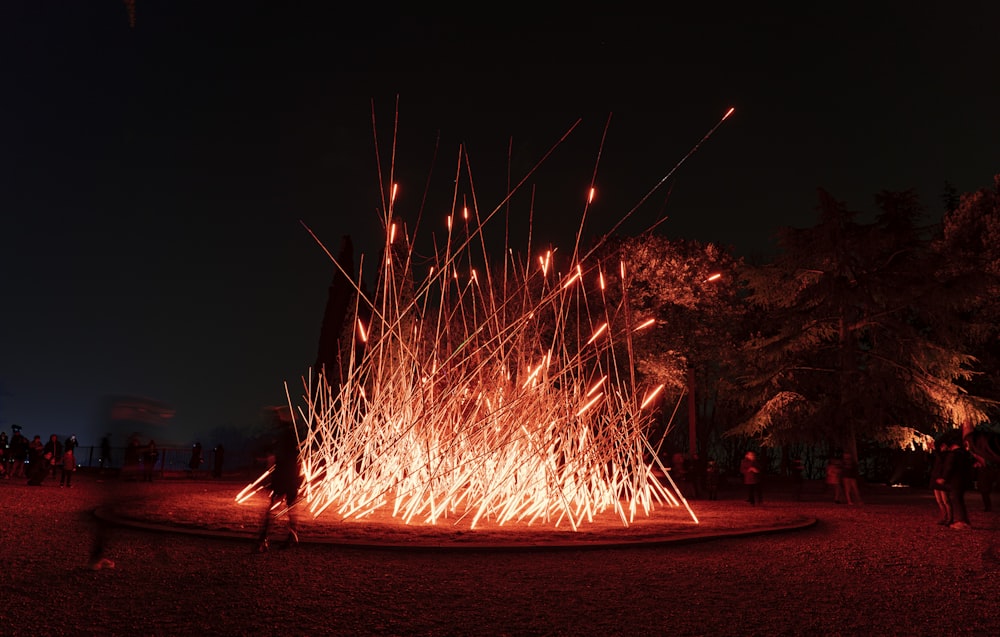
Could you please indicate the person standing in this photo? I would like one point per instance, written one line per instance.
(938, 486)
(18, 452)
(217, 460)
(196, 458)
(957, 477)
(712, 480)
(750, 469)
(36, 461)
(68, 467)
(149, 457)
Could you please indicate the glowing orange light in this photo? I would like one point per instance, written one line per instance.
(600, 278)
(590, 196)
(572, 279)
(644, 324)
(590, 404)
(362, 333)
(465, 213)
(650, 396)
(449, 223)
(392, 233)
(597, 385)
(621, 268)
(714, 277)
(597, 333)
(395, 189)
(729, 112)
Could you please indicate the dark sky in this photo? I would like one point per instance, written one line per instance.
(153, 180)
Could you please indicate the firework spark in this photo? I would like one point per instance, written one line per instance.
(479, 400)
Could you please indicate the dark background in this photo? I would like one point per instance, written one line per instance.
(154, 180)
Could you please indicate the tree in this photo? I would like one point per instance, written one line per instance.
(856, 338)
(968, 248)
(690, 290)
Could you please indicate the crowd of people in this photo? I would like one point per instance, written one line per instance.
(36, 461)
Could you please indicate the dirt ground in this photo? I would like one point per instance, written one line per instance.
(882, 568)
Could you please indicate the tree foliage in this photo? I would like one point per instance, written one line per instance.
(855, 335)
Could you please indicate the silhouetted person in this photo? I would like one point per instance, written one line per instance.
(712, 480)
(285, 478)
(18, 452)
(196, 458)
(149, 457)
(36, 461)
(957, 477)
(104, 462)
(218, 459)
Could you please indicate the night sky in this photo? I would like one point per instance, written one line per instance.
(154, 180)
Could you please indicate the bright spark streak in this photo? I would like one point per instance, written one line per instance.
(465, 212)
(600, 278)
(392, 233)
(649, 397)
(714, 277)
(362, 332)
(590, 196)
(621, 268)
(392, 198)
(572, 279)
(474, 277)
(729, 112)
(590, 404)
(645, 324)
(449, 223)
(597, 385)
(599, 331)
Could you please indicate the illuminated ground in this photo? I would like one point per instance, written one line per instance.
(881, 569)
(207, 508)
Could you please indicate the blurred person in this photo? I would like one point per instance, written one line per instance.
(712, 480)
(36, 461)
(18, 452)
(149, 457)
(285, 478)
(4, 455)
(104, 462)
(938, 486)
(196, 458)
(52, 453)
(68, 467)
(218, 457)
(849, 478)
(834, 473)
(750, 468)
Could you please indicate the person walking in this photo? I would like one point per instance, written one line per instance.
(750, 468)
(68, 467)
(285, 479)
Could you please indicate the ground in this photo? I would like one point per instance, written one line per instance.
(880, 568)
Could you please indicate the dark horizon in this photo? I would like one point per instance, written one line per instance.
(157, 178)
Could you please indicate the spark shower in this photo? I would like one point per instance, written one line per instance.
(478, 390)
